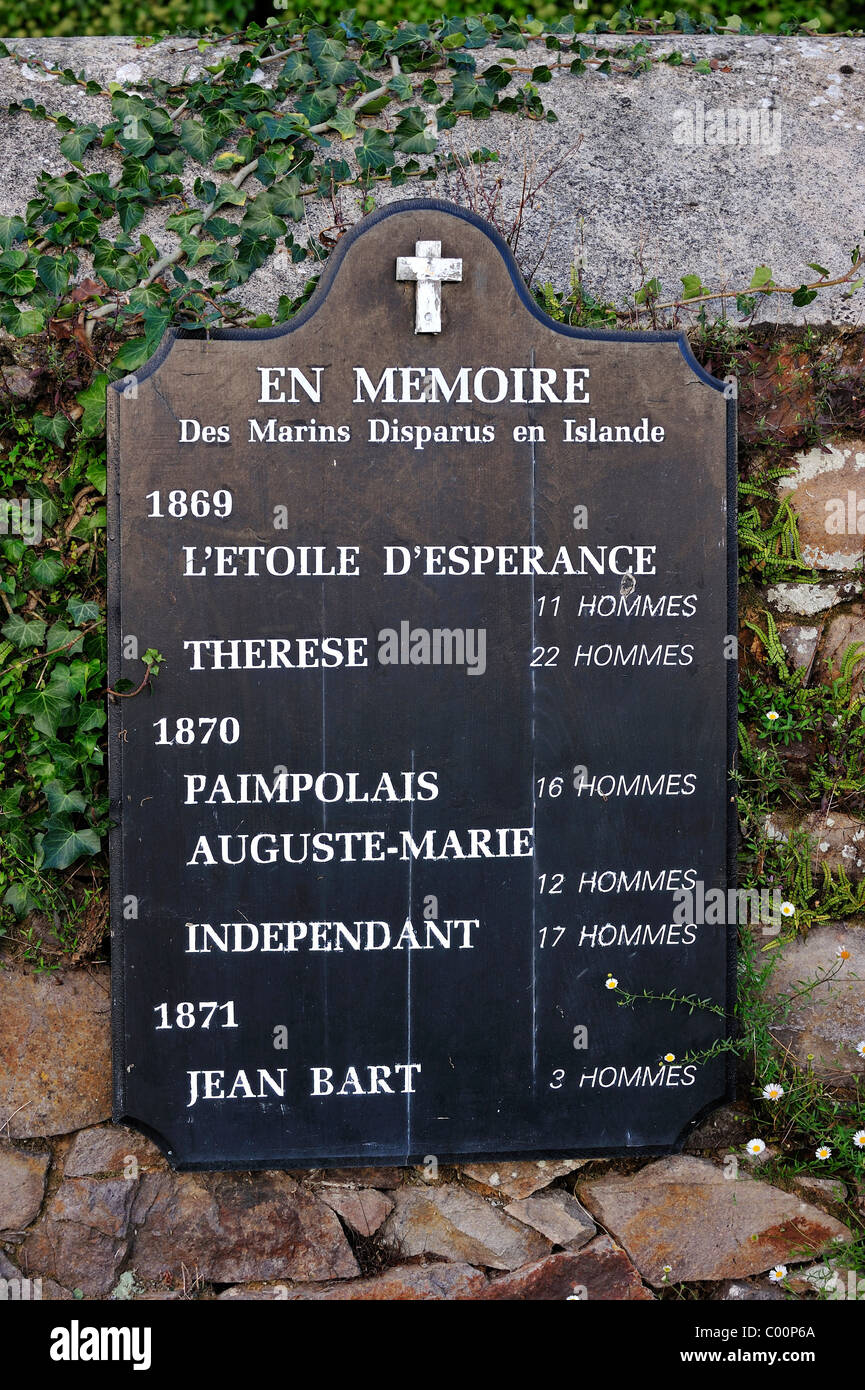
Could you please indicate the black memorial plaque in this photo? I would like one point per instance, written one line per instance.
(442, 734)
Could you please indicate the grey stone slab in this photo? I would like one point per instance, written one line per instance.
(627, 182)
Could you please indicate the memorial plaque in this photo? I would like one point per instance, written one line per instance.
(440, 745)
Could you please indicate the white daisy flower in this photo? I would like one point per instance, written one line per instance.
(612, 982)
(860, 1048)
(788, 910)
(842, 953)
(823, 1152)
(772, 716)
(669, 1056)
(859, 1139)
(778, 1273)
(756, 1146)
(773, 1091)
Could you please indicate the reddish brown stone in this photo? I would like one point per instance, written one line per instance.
(557, 1215)
(685, 1214)
(112, 1151)
(403, 1283)
(55, 1063)
(600, 1273)
(22, 1186)
(844, 630)
(81, 1239)
(520, 1179)
(363, 1209)
(236, 1227)
(823, 1026)
(826, 490)
(458, 1225)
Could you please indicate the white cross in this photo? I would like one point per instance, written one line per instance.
(428, 269)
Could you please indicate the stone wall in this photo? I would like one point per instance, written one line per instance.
(621, 181)
(91, 1209)
(95, 1211)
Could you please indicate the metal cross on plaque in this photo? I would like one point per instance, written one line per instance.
(429, 269)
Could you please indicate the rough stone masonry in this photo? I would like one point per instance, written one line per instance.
(638, 190)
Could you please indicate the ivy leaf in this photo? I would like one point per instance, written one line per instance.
(183, 222)
(647, 292)
(16, 278)
(119, 270)
(762, 278)
(820, 269)
(24, 632)
(410, 135)
(77, 141)
(297, 70)
(692, 285)
(469, 95)
(53, 427)
(229, 194)
(284, 197)
(82, 610)
(139, 140)
(275, 162)
(228, 160)
(46, 569)
(401, 87)
(93, 401)
(19, 899)
(329, 58)
(61, 637)
(803, 296)
(11, 229)
(62, 844)
(319, 105)
(344, 123)
(53, 271)
(261, 220)
(90, 522)
(22, 322)
(198, 140)
(134, 353)
(52, 705)
(195, 249)
(374, 154)
(60, 801)
(135, 174)
(289, 125)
